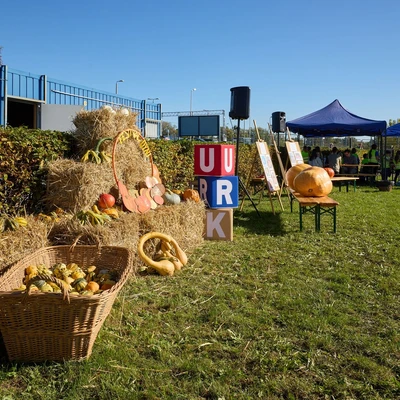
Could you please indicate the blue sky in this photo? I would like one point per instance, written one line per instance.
(297, 56)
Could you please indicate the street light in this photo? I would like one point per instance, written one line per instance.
(191, 99)
(116, 85)
(153, 98)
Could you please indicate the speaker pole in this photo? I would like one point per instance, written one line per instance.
(237, 148)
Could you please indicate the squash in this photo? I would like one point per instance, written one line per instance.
(106, 200)
(171, 198)
(330, 172)
(191, 194)
(293, 172)
(79, 284)
(313, 182)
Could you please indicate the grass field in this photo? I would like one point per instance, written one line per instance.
(275, 314)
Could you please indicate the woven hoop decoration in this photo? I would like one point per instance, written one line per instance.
(39, 327)
(127, 199)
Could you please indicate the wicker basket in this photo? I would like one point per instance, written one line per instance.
(40, 327)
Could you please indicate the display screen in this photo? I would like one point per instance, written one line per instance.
(207, 125)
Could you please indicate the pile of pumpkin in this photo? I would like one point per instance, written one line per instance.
(310, 181)
(75, 279)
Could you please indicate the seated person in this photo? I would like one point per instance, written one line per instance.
(315, 159)
(348, 160)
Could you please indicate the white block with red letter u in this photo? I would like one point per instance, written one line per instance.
(214, 160)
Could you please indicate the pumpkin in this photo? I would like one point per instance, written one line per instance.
(106, 200)
(313, 182)
(171, 198)
(191, 194)
(330, 172)
(293, 172)
(92, 286)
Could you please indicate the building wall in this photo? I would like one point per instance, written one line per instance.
(17, 87)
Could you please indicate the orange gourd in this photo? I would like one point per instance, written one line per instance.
(92, 286)
(330, 171)
(293, 172)
(313, 181)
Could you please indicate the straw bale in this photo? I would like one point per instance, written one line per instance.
(15, 245)
(82, 183)
(93, 125)
(73, 185)
(184, 222)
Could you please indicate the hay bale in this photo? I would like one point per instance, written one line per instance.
(93, 125)
(73, 185)
(184, 222)
(15, 245)
(81, 184)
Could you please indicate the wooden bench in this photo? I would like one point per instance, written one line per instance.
(346, 180)
(314, 205)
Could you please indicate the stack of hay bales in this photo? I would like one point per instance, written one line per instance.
(73, 185)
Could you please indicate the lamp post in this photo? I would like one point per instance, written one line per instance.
(116, 85)
(153, 98)
(191, 99)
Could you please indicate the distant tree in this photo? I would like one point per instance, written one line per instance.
(169, 130)
(394, 121)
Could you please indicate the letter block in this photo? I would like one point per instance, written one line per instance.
(219, 224)
(219, 192)
(214, 160)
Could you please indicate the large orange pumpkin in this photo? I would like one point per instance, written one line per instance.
(313, 181)
(293, 172)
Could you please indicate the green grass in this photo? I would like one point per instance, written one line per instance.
(275, 314)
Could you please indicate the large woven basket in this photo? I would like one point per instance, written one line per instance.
(40, 327)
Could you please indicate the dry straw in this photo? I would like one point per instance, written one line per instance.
(91, 126)
(15, 245)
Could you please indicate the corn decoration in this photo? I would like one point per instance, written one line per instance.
(75, 279)
(12, 223)
(95, 155)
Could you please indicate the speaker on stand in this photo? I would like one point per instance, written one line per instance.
(240, 110)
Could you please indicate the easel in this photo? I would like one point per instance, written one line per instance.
(269, 172)
(284, 184)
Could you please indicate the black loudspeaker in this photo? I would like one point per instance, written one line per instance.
(240, 102)
(278, 121)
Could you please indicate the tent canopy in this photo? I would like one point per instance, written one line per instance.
(393, 130)
(334, 120)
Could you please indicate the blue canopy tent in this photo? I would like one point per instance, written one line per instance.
(335, 121)
(393, 130)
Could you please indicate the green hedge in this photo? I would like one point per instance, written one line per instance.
(24, 154)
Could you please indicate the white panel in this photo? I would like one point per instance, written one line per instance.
(58, 117)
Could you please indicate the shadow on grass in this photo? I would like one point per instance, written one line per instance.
(263, 223)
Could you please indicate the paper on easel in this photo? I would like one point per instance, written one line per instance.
(268, 167)
(294, 153)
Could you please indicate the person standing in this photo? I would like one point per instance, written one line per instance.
(396, 165)
(334, 160)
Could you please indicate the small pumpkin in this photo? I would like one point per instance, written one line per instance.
(313, 182)
(92, 286)
(191, 194)
(293, 172)
(330, 172)
(106, 200)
